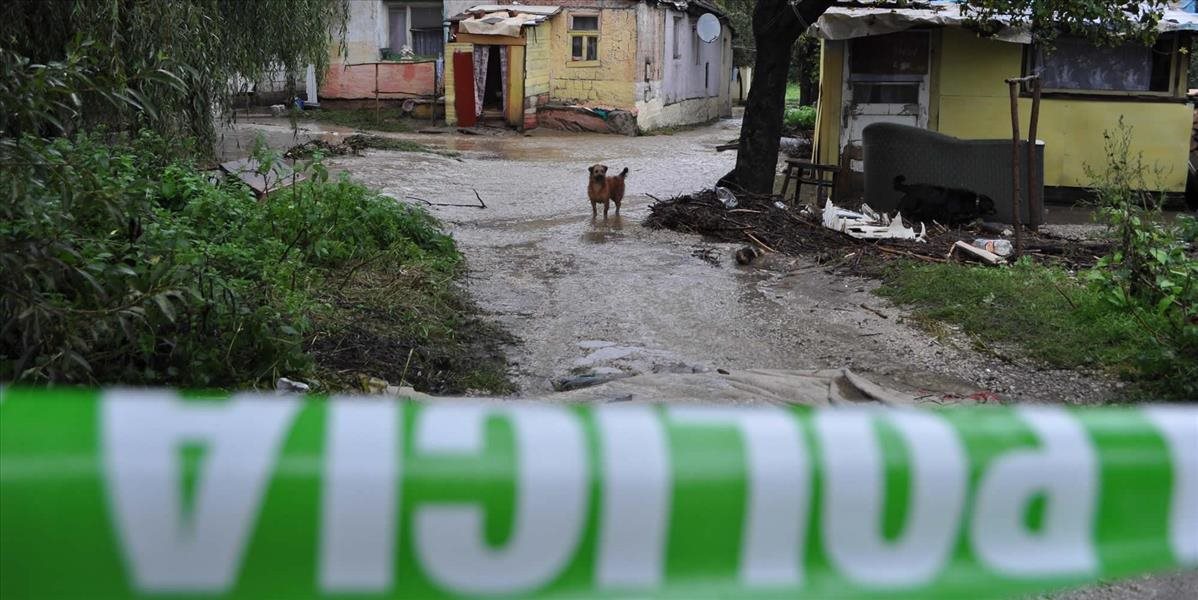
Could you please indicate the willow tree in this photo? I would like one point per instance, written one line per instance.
(778, 23)
(167, 64)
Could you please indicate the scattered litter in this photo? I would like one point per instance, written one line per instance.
(278, 110)
(726, 196)
(985, 256)
(707, 254)
(869, 225)
(999, 247)
(779, 205)
(372, 385)
(577, 382)
(747, 254)
(287, 386)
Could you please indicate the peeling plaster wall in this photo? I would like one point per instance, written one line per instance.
(395, 80)
(365, 32)
(680, 90)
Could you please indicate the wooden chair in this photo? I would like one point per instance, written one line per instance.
(823, 177)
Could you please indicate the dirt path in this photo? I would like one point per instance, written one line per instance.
(607, 296)
(598, 296)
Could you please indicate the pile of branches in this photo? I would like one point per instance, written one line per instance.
(311, 147)
(353, 144)
(759, 221)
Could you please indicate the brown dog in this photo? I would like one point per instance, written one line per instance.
(604, 190)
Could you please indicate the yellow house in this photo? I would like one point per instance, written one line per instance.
(923, 67)
(599, 65)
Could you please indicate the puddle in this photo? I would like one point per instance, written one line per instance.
(604, 230)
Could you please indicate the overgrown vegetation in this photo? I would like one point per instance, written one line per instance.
(170, 65)
(388, 119)
(124, 262)
(1135, 314)
(125, 265)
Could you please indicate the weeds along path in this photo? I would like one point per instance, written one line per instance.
(611, 297)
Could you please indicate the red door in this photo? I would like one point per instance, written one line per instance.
(463, 88)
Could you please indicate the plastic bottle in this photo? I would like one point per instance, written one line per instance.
(726, 197)
(999, 247)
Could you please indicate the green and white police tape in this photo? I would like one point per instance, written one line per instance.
(130, 493)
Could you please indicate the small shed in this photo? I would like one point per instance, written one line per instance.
(497, 68)
(924, 66)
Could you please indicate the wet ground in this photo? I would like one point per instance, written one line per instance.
(609, 296)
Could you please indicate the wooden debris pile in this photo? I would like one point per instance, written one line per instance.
(761, 221)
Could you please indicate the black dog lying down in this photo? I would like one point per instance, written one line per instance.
(922, 202)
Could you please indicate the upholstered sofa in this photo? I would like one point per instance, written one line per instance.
(922, 156)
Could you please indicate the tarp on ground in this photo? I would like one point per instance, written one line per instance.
(817, 388)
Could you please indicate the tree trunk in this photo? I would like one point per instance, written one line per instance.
(776, 26)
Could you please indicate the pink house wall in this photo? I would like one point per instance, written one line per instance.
(395, 80)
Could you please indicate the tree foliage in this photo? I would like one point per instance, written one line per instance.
(1100, 21)
(172, 64)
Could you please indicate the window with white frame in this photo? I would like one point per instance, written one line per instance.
(584, 36)
(417, 26)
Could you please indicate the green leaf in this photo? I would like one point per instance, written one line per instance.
(164, 304)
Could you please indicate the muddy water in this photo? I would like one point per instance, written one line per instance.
(608, 296)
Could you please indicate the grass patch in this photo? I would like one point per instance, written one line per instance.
(388, 119)
(1054, 318)
(792, 93)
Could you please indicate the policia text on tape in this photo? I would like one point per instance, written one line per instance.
(141, 493)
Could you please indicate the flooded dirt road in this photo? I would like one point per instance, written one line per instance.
(611, 297)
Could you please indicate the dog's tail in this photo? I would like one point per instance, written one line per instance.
(899, 183)
(624, 173)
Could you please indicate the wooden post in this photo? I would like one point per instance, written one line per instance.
(1016, 142)
(1033, 188)
(376, 93)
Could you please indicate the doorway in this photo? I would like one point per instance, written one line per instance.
(886, 82)
(493, 88)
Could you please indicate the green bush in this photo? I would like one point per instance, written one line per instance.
(1152, 274)
(124, 265)
(802, 117)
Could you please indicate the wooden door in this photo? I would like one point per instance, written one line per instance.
(463, 88)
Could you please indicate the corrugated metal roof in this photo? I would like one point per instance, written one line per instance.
(846, 22)
(538, 13)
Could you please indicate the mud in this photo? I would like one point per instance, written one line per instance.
(609, 296)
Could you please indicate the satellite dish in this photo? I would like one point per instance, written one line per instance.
(708, 27)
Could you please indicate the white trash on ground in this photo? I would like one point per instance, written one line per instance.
(868, 224)
(726, 197)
